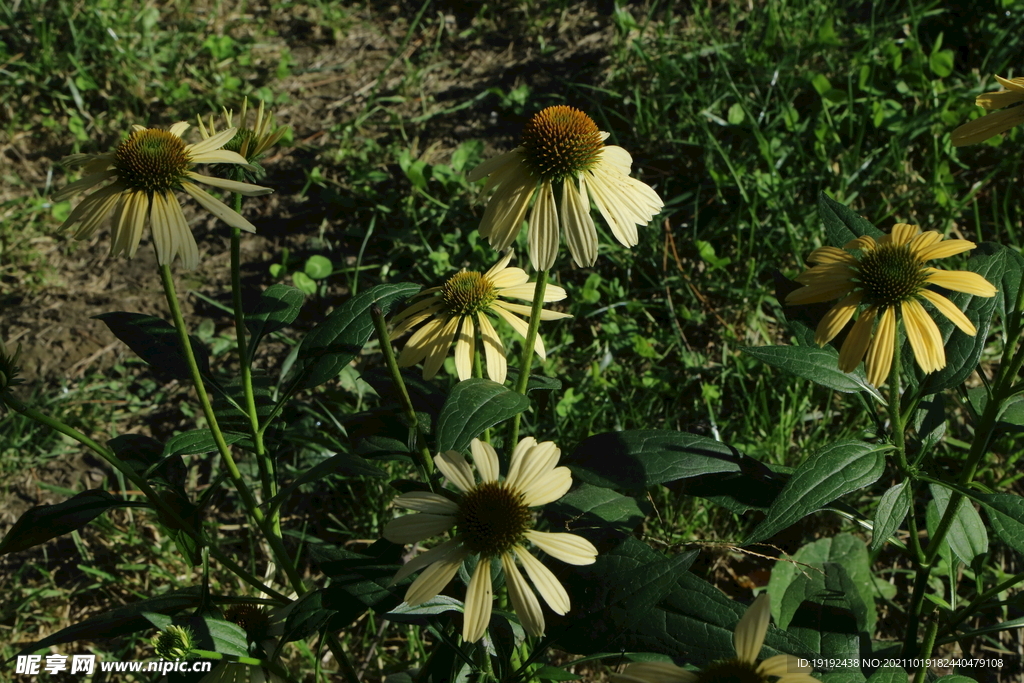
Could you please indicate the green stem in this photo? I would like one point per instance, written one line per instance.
(336, 648)
(967, 610)
(263, 461)
(926, 649)
(527, 361)
(425, 461)
(275, 541)
(169, 513)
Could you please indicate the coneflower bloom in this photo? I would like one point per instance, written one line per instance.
(890, 277)
(990, 125)
(747, 639)
(146, 169)
(492, 519)
(458, 307)
(562, 147)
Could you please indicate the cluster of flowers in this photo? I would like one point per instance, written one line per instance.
(561, 153)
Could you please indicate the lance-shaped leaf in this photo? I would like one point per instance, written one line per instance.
(156, 342)
(337, 339)
(196, 441)
(892, 510)
(1006, 514)
(635, 460)
(833, 471)
(967, 536)
(277, 308)
(359, 581)
(43, 522)
(820, 365)
(473, 406)
(842, 224)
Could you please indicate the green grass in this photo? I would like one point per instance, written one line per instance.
(740, 118)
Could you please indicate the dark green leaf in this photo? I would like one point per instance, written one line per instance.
(844, 549)
(308, 616)
(145, 455)
(842, 224)
(893, 674)
(820, 365)
(967, 536)
(43, 522)
(277, 308)
(439, 604)
(892, 510)
(156, 342)
(627, 582)
(834, 471)
(594, 507)
(473, 406)
(635, 460)
(333, 343)
(822, 608)
(196, 441)
(1006, 514)
(123, 620)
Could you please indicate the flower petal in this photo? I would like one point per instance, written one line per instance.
(519, 326)
(548, 488)
(215, 141)
(902, 233)
(749, 634)
(987, 126)
(417, 527)
(547, 584)
(543, 235)
(425, 501)
(247, 189)
(453, 465)
(924, 337)
(836, 318)
(568, 548)
(944, 249)
(655, 672)
(879, 358)
(524, 601)
(435, 577)
(217, 207)
(464, 347)
(961, 281)
(828, 255)
(857, 342)
(580, 232)
(485, 458)
(537, 462)
(82, 184)
(494, 163)
(501, 265)
(504, 214)
(420, 343)
(479, 601)
(433, 555)
(494, 351)
(948, 309)
(438, 349)
(780, 665)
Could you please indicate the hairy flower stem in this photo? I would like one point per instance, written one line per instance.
(527, 361)
(425, 462)
(135, 478)
(263, 461)
(274, 540)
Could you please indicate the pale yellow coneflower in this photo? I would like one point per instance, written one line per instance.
(146, 169)
(562, 148)
(455, 310)
(890, 277)
(492, 519)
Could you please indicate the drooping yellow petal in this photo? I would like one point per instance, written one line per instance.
(924, 337)
(987, 126)
(948, 309)
(479, 601)
(879, 358)
(417, 527)
(435, 577)
(580, 232)
(547, 584)
(568, 548)
(543, 235)
(464, 347)
(524, 602)
(944, 249)
(836, 318)
(749, 635)
(857, 342)
(454, 466)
